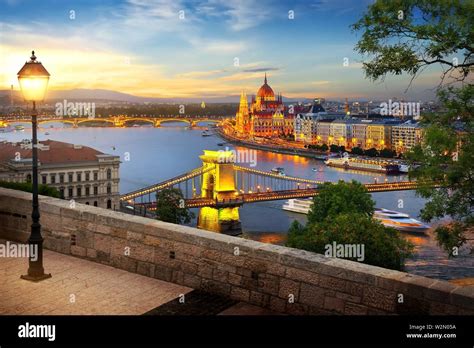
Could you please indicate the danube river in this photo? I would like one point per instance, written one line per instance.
(156, 154)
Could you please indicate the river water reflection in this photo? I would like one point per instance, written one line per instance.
(156, 154)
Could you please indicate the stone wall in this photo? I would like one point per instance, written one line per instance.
(282, 279)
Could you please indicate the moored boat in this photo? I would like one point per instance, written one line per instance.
(399, 221)
(370, 165)
(301, 206)
(278, 170)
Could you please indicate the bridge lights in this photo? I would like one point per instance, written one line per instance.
(33, 79)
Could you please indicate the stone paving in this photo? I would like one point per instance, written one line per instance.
(80, 287)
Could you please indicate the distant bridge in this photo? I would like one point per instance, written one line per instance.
(117, 121)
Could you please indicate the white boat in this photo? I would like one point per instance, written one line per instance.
(403, 168)
(301, 206)
(371, 165)
(399, 221)
(279, 170)
(206, 134)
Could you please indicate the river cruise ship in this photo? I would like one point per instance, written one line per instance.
(388, 218)
(301, 206)
(369, 165)
(399, 221)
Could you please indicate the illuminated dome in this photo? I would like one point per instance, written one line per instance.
(266, 92)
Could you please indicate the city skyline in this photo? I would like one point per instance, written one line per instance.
(198, 49)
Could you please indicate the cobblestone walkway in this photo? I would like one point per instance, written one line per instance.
(80, 287)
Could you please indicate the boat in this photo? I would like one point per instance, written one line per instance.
(403, 168)
(370, 165)
(301, 206)
(206, 134)
(399, 221)
(220, 144)
(279, 170)
(19, 127)
(47, 133)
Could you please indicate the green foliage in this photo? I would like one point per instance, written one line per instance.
(322, 148)
(336, 149)
(372, 152)
(450, 237)
(387, 153)
(447, 155)
(343, 197)
(404, 36)
(357, 151)
(382, 246)
(170, 207)
(44, 190)
(342, 213)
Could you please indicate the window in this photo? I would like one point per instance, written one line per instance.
(79, 191)
(109, 204)
(70, 192)
(109, 174)
(109, 189)
(96, 190)
(88, 190)
(61, 192)
(28, 178)
(87, 176)
(70, 177)
(79, 176)
(43, 179)
(61, 178)
(95, 203)
(53, 178)
(96, 176)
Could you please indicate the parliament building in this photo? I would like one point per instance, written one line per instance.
(266, 117)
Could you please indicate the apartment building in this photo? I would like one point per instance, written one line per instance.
(79, 173)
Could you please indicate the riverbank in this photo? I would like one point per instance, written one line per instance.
(272, 148)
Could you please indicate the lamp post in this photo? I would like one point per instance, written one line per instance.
(33, 79)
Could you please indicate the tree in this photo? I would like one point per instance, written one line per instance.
(447, 156)
(372, 152)
(170, 207)
(387, 153)
(343, 197)
(334, 148)
(44, 190)
(324, 148)
(425, 33)
(406, 36)
(342, 213)
(357, 151)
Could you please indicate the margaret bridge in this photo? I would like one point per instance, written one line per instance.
(116, 121)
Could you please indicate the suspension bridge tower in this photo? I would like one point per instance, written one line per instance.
(218, 184)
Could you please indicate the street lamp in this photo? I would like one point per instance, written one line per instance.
(33, 79)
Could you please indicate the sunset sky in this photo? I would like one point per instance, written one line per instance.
(144, 48)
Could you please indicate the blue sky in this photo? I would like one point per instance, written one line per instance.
(179, 48)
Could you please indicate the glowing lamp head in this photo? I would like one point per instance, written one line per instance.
(33, 79)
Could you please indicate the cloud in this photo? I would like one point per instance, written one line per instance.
(319, 83)
(261, 69)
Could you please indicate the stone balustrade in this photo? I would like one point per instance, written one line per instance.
(275, 277)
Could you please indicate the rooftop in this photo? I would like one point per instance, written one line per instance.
(50, 151)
